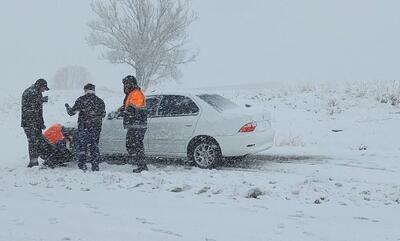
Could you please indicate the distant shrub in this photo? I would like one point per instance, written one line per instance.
(71, 77)
(333, 106)
(388, 92)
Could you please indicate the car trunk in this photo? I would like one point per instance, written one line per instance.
(239, 117)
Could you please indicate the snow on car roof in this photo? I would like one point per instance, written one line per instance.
(179, 92)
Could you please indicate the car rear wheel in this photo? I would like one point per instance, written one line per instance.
(205, 154)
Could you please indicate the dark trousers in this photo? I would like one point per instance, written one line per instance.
(135, 146)
(87, 145)
(36, 142)
(60, 154)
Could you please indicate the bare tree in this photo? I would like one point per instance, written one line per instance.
(71, 77)
(149, 35)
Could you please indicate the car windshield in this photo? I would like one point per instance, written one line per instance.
(218, 102)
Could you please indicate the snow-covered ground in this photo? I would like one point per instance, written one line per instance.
(333, 174)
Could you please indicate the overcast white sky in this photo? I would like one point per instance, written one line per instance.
(250, 41)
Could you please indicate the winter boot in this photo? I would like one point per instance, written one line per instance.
(82, 166)
(140, 169)
(95, 167)
(33, 163)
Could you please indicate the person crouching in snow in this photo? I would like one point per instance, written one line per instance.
(91, 113)
(57, 149)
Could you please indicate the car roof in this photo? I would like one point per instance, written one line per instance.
(178, 92)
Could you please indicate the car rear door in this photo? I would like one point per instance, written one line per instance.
(172, 126)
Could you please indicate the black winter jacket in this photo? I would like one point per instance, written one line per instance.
(32, 109)
(91, 110)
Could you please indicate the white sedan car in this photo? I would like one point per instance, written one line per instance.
(201, 127)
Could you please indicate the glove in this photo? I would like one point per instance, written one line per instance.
(120, 109)
(43, 127)
(69, 110)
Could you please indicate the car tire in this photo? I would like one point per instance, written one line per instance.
(205, 153)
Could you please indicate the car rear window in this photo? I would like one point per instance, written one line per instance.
(176, 105)
(218, 102)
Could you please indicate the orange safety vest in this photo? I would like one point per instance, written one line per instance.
(54, 134)
(136, 98)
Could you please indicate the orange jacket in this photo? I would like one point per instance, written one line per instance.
(136, 98)
(54, 134)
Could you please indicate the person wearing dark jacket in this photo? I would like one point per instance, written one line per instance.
(91, 113)
(135, 121)
(32, 118)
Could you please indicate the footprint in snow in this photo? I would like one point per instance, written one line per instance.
(338, 184)
(53, 221)
(217, 191)
(181, 189)
(137, 185)
(203, 190)
(144, 221)
(177, 189)
(166, 232)
(298, 214)
(308, 234)
(261, 207)
(60, 179)
(95, 210)
(296, 192)
(361, 218)
(18, 222)
(90, 206)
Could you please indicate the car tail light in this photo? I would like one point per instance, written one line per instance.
(249, 127)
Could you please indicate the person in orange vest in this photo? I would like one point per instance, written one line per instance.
(58, 144)
(135, 121)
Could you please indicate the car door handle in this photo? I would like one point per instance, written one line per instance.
(188, 125)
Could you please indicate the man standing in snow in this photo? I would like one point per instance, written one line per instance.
(135, 121)
(32, 119)
(91, 113)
